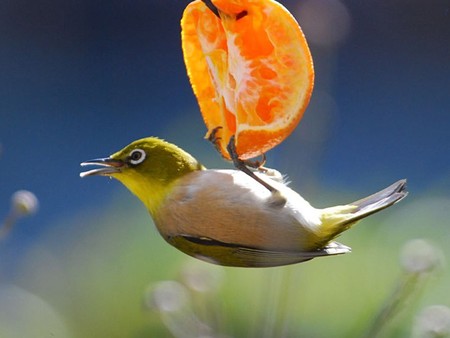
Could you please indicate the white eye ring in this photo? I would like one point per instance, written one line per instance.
(137, 156)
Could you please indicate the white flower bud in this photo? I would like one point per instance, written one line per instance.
(202, 277)
(433, 322)
(24, 203)
(166, 296)
(419, 256)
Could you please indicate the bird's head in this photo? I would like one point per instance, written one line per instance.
(147, 167)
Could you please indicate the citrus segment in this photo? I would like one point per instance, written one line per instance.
(250, 69)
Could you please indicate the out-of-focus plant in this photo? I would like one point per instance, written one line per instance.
(418, 259)
(181, 306)
(433, 322)
(189, 306)
(24, 314)
(23, 203)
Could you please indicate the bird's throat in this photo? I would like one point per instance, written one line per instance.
(151, 192)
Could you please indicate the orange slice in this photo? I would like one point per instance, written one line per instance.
(250, 69)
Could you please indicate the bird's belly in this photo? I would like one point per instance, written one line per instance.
(224, 219)
(235, 222)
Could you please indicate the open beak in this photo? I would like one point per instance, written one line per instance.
(108, 166)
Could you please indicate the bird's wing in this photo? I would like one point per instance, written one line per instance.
(268, 258)
(231, 254)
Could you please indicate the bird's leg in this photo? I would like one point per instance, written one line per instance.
(277, 199)
(244, 164)
(215, 140)
(214, 9)
(258, 165)
(211, 7)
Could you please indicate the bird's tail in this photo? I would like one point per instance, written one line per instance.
(339, 218)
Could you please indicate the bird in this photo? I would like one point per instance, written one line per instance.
(224, 216)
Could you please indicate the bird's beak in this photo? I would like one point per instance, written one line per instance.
(109, 166)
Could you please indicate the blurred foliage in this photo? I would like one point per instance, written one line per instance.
(94, 272)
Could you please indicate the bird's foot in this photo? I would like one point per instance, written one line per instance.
(214, 138)
(277, 199)
(256, 164)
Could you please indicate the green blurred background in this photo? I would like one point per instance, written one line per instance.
(81, 79)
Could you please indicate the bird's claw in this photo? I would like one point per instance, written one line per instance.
(214, 139)
(212, 135)
(256, 163)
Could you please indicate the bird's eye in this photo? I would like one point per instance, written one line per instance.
(137, 156)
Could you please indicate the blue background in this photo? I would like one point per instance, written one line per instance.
(81, 79)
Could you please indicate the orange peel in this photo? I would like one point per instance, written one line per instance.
(250, 69)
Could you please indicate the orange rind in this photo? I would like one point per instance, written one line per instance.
(250, 69)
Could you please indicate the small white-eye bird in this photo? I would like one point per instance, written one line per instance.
(225, 216)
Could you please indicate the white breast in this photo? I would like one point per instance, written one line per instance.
(230, 206)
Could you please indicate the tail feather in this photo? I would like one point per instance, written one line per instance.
(379, 201)
(339, 218)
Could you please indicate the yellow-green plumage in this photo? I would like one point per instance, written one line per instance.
(225, 216)
(152, 180)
